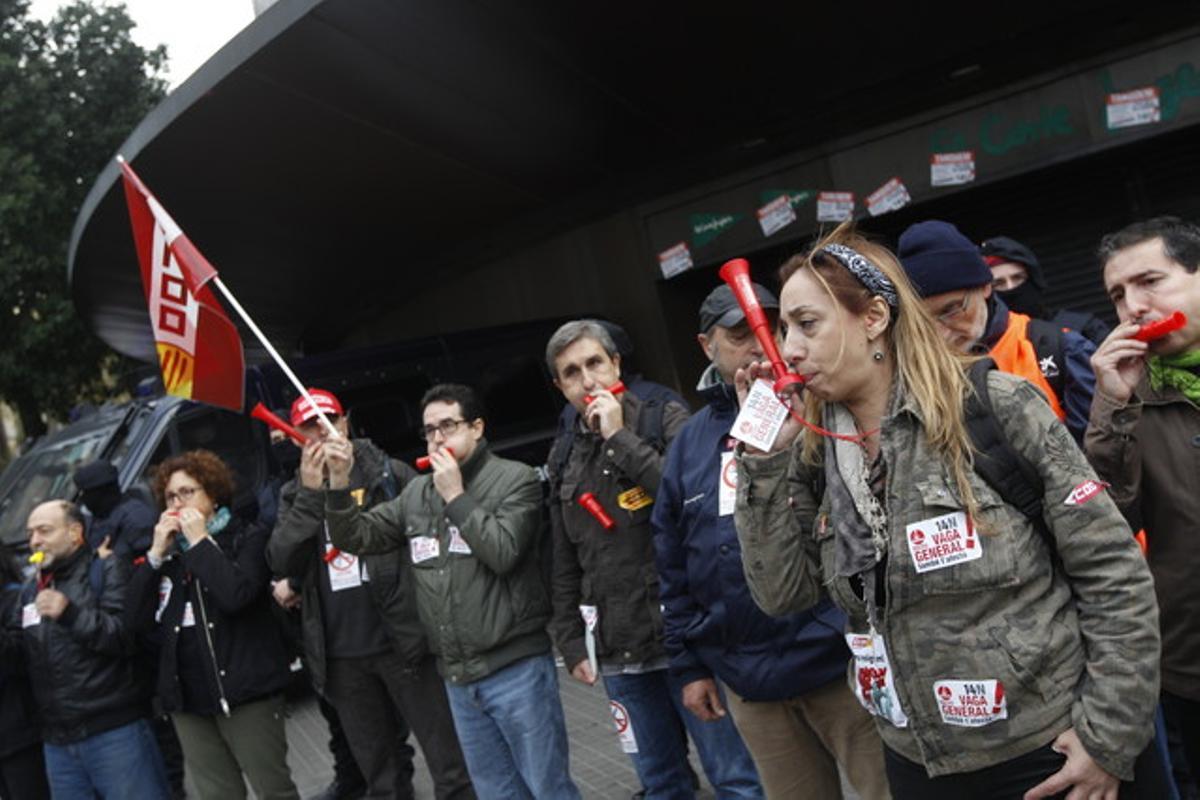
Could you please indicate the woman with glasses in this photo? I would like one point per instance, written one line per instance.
(204, 591)
(997, 658)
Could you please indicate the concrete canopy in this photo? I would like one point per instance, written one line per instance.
(338, 155)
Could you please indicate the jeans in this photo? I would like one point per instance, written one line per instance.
(652, 704)
(513, 734)
(118, 764)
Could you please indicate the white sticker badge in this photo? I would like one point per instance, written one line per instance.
(164, 597)
(591, 616)
(971, 704)
(343, 570)
(761, 417)
(872, 683)
(776, 215)
(424, 548)
(620, 716)
(189, 616)
(940, 542)
(30, 616)
(727, 485)
(952, 169)
(457, 543)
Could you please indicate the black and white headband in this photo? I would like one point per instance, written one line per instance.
(867, 273)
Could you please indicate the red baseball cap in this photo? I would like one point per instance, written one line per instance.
(326, 403)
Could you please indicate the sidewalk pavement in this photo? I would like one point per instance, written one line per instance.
(598, 766)
(600, 769)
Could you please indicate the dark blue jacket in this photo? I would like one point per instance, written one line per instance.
(712, 626)
(129, 528)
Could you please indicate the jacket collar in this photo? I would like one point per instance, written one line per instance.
(1160, 397)
(470, 468)
(715, 391)
(997, 324)
(63, 568)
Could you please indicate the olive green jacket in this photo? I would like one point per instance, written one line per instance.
(1072, 635)
(481, 598)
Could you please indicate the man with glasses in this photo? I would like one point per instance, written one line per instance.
(956, 284)
(365, 647)
(470, 531)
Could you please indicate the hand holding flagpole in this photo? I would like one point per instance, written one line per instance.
(178, 333)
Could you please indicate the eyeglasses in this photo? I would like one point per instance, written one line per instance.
(184, 494)
(446, 427)
(956, 312)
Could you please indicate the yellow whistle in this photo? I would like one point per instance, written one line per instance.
(37, 558)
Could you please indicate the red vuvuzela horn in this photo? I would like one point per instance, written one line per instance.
(617, 388)
(736, 273)
(263, 414)
(1161, 327)
(589, 501)
(423, 462)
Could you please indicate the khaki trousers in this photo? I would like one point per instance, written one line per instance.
(217, 750)
(798, 743)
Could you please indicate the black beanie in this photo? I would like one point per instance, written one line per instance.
(1001, 249)
(939, 259)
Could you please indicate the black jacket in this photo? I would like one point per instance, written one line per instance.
(612, 570)
(297, 544)
(18, 718)
(85, 682)
(237, 648)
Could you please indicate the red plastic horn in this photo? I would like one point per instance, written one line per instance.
(1161, 327)
(589, 501)
(617, 388)
(423, 462)
(736, 273)
(263, 414)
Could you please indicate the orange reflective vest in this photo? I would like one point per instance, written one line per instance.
(1014, 354)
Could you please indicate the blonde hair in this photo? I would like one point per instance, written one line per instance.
(930, 374)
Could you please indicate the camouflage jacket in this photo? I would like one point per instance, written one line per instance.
(1071, 637)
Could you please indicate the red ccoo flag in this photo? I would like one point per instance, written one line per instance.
(199, 350)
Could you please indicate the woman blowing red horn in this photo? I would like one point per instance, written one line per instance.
(999, 661)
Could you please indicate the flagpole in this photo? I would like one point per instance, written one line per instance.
(216, 280)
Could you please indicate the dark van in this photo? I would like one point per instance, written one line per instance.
(382, 386)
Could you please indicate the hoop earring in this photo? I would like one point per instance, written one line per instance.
(878, 356)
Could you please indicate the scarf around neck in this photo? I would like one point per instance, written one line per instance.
(1177, 371)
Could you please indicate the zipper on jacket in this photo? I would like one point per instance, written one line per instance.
(211, 652)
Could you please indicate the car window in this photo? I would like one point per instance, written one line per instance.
(45, 474)
(236, 438)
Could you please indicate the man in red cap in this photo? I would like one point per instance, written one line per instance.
(365, 646)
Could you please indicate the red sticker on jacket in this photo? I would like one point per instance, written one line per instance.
(1084, 492)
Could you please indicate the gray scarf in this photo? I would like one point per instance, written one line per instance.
(860, 522)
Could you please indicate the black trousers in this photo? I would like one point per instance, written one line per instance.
(1183, 719)
(1012, 778)
(23, 775)
(1005, 781)
(377, 699)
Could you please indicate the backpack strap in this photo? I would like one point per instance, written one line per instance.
(391, 487)
(1048, 342)
(96, 577)
(996, 461)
